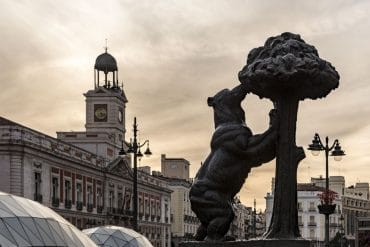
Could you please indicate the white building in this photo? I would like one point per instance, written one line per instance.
(311, 223)
(352, 204)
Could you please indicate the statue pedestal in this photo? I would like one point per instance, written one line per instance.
(250, 243)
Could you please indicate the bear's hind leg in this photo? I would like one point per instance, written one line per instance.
(201, 233)
(219, 226)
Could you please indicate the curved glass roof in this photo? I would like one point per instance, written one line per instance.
(115, 236)
(27, 223)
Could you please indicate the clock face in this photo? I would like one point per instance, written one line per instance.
(120, 116)
(100, 113)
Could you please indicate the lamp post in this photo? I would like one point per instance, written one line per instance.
(337, 153)
(341, 230)
(134, 148)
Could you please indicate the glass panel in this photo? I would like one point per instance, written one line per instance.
(57, 232)
(5, 242)
(67, 235)
(102, 237)
(5, 232)
(31, 231)
(45, 232)
(21, 240)
(11, 206)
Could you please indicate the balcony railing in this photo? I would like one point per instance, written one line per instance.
(99, 209)
(37, 197)
(300, 223)
(68, 204)
(311, 224)
(89, 207)
(111, 210)
(55, 202)
(312, 209)
(79, 206)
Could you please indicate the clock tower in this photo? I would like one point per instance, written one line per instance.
(105, 112)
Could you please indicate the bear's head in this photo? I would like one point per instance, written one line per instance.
(226, 106)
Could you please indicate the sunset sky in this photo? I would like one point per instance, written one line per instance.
(171, 56)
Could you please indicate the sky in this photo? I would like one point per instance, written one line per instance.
(171, 56)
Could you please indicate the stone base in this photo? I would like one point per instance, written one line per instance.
(250, 243)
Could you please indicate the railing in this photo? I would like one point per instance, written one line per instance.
(37, 197)
(79, 206)
(55, 202)
(68, 204)
(111, 210)
(300, 223)
(312, 210)
(311, 224)
(99, 209)
(90, 207)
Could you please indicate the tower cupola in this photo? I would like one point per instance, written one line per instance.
(107, 64)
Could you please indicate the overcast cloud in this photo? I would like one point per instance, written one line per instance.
(172, 55)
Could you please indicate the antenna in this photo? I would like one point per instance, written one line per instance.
(106, 45)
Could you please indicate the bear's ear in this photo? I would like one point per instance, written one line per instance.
(210, 101)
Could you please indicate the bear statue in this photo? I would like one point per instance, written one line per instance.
(234, 151)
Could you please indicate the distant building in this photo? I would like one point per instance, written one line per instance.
(79, 174)
(175, 167)
(184, 222)
(240, 225)
(353, 205)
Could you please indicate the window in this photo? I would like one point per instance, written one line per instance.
(300, 206)
(37, 183)
(55, 189)
(67, 189)
(89, 195)
(99, 197)
(312, 219)
(120, 200)
(79, 192)
(312, 233)
(111, 199)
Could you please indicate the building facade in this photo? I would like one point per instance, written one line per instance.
(352, 205)
(175, 167)
(184, 222)
(79, 174)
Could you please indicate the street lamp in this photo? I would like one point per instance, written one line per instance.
(337, 153)
(342, 234)
(134, 148)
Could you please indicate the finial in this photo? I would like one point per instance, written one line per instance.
(106, 45)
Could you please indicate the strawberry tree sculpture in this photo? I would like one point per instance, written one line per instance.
(287, 70)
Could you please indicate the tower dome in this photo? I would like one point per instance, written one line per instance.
(105, 62)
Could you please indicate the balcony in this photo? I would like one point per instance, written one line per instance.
(311, 223)
(99, 209)
(300, 209)
(312, 210)
(79, 206)
(68, 204)
(37, 197)
(334, 225)
(300, 224)
(89, 207)
(111, 210)
(55, 202)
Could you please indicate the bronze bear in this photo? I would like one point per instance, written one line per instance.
(234, 151)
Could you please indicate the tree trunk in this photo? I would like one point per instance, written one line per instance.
(284, 220)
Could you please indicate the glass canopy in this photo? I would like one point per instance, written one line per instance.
(27, 223)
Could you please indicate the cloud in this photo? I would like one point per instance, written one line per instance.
(172, 55)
